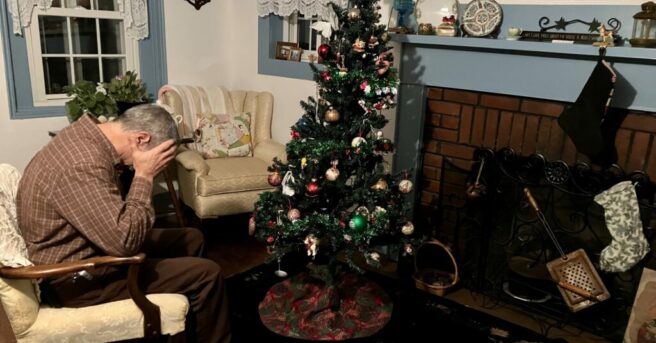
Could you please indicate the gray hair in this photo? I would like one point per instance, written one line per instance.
(152, 119)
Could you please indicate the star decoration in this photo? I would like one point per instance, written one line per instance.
(594, 25)
(561, 24)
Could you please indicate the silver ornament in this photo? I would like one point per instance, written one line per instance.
(332, 174)
(357, 141)
(405, 186)
(408, 229)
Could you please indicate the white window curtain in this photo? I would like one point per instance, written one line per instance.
(307, 8)
(135, 12)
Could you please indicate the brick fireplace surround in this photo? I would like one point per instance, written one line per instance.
(457, 122)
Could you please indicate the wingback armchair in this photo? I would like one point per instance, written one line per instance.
(24, 319)
(227, 185)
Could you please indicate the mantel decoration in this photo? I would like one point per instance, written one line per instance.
(644, 27)
(438, 16)
(597, 31)
(482, 18)
(198, 3)
(135, 14)
(105, 101)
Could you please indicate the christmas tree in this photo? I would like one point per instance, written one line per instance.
(335, 191)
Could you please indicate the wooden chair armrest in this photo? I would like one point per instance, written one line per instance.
(59, 269)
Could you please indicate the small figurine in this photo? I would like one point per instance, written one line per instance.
(605, 37)
(448, 27)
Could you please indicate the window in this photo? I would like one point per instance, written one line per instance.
(76, 40)
(298, 29)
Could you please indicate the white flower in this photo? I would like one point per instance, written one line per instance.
(378, 92)
(101, 88)
(386, 90)
(102, 119)
(394, 90)
(367, 89)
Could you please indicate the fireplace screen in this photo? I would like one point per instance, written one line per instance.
(503, 248)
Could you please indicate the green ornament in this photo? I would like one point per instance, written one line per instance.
(358, 222)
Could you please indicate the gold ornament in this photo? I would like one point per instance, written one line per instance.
(331, 116)
(357, 141)
(358, 46)
(353, 14)
(303, 162)
(408, 229)
(405, 186)
(380, 185)
(332, 173)
(294, 214)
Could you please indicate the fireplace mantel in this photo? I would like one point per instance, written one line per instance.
(551, 71)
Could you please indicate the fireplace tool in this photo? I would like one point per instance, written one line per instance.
(577, 279)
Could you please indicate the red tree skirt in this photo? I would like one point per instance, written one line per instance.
(303, 307)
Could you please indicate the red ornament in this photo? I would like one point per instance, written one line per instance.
(275, 179)
(324, 50)
(271, 224)
(325, 75)
(342, 223)
(270, 240)
(312, 188)
(378, 106)
(295, 134)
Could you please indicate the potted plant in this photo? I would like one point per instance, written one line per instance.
(89, 98)
(127, 90)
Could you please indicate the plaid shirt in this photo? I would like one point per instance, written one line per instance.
(69, 202)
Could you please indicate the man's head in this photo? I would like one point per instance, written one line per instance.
(154, 123)
(141, 127)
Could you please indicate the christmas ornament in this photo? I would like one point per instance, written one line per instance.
(275, 179)
(358, 222)
(303, 123)
(379, 134)
(332, 173)
(251, 226)
(287, 181)
(408, 249)
(294, 214)
(408, 229)
(358, 46)
(405, 186)
(385, 37)
(324, 27)
(373, 42)
(379, 210)
(384, 145)
(380, 185)
(331, 116)
(342, 224)
(363, 210)
(353, 14)
(312, 188)
(325, 75)
(295, 134)
(312, 245)
(303, 162)
(271, 224)
(270, 240)
(348, 238)
(280, 272)
(357, 141)
(324, 51)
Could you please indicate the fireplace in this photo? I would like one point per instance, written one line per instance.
(501, 247)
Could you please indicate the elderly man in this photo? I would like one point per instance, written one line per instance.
(71, 206)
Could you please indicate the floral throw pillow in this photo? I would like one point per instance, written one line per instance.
(224, 135)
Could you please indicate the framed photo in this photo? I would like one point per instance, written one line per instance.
(295, 54)
(283, 50)
(642, 323)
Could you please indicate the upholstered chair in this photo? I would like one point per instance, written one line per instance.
(220, 186)
(24, 319)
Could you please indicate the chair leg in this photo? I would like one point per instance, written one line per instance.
(174, 198)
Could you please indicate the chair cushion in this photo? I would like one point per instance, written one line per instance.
(13, 252)
(229, 175)
(109, 322)
(20, 303)
(224, 135)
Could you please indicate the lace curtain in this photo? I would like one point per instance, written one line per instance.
(306, 7)
(135, 12)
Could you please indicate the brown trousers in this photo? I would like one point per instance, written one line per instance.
(172, 265)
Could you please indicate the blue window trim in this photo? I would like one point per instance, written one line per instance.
(270, 32)
(152, 61)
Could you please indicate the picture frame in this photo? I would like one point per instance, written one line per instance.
(283, 49)
(642, 321)
(295, 54)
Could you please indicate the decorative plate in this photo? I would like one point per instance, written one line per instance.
(481, 17)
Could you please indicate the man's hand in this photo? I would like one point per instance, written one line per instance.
(149, 163)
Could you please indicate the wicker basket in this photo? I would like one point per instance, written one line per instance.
(433, 280)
